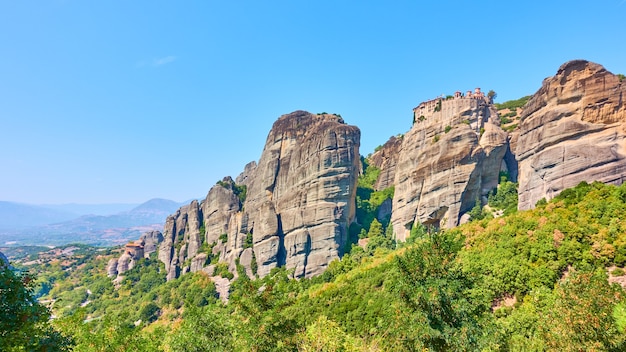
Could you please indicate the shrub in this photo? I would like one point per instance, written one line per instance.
(254, 266)
(511, 128)
(513, 104)
(448, 128)
(241, 192)
(221, 269)
(505, 196)
(149, 312)
(438, 106)
(249, 240)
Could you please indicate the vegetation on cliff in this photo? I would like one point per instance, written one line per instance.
(531, 280)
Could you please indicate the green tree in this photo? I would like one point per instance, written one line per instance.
(108, 334)
(492, 95)
(203, 329)
(433, 284)
(376, 229)
(24, 323)
(326, 335)
(477, 212)
(505, 196)
(581, 318)
(149, 312)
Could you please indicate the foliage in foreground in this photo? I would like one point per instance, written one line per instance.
(24, 323)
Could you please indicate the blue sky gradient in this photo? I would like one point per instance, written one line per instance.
(123, 101)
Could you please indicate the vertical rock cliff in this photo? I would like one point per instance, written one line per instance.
(386, 159)
(572, 130)
(301, 199)
(450, 158)
(291, 209)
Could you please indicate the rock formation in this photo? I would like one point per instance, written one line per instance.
(386, 159)
(112, 267)
(150, 242)
(291, 209)
(450, 158)
(572, 130)
(147, 244)
(301, 200)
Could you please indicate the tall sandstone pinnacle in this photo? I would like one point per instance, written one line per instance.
(451, 157)
(298, 206)
(573, 129)
(301, 200)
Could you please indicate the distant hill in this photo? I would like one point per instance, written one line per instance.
(92, 209)
(18, 216)
(151, 212)
(91, 229)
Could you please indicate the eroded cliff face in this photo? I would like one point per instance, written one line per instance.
(451, 156)
(194, 234)
(386, 159)
(572, 130)
(299, 202)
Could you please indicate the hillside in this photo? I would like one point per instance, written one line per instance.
(537, 279)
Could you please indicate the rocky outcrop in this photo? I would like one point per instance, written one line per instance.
(301, 199)
(222, 287)
(112, 267)
(248, 171)
(451, 156)
(134, 251)
(291, 209)
(386, 159)
(198, 262)
(572, 130)
(125, 263)
(150, 242)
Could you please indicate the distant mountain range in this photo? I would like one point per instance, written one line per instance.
(18, 216)
(93, 209)
(24, 224)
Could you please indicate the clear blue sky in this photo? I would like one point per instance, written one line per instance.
(123, 101)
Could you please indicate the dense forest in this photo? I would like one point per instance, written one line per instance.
(543, 279)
